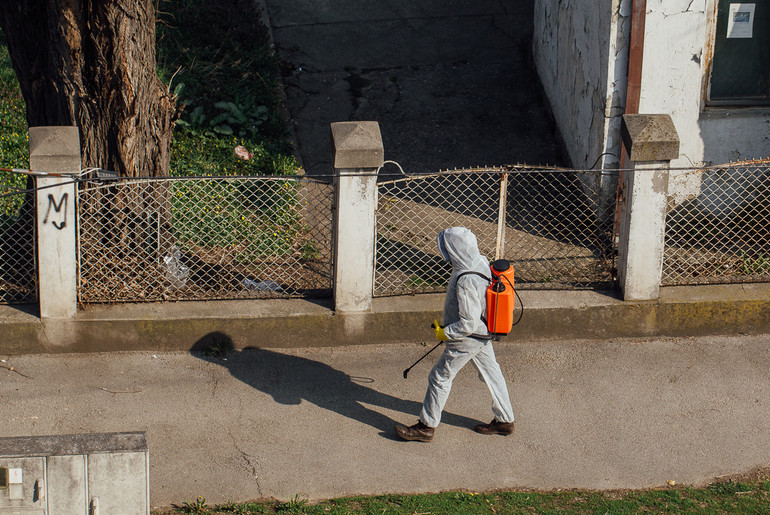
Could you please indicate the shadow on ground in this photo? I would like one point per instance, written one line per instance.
(289, 380)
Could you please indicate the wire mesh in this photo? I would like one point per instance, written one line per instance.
(560, 229)
(558, 232)
(198, 238)
(718, 230)
(18, 274)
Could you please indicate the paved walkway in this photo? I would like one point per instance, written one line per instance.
(450, 82)
(318, 422)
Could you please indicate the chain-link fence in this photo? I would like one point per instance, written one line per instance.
(718, 225)
(557, 231)
(204, 238)
(18, 273)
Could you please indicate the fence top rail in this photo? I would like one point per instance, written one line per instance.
(111, 181)
(488, 171)
(106, 177)
(105, 174)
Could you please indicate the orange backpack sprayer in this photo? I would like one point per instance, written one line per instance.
(500, 304)
(500, 298)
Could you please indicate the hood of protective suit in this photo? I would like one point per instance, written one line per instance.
(459, 246)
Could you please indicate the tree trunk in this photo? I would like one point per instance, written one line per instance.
(91, 63)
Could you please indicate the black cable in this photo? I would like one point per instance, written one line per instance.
(602, 155)
(38, 188)
(516, 293)
(521, 314)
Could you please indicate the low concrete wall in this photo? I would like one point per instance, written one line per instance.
(549, 315)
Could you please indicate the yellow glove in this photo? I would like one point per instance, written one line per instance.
(440, 336)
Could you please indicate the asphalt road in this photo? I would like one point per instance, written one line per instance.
(451, 83)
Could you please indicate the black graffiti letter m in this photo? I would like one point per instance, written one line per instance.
(61, 206)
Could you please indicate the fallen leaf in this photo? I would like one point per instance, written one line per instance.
(242, 153)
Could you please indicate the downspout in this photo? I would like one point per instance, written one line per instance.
(633, 95)
(635, 54)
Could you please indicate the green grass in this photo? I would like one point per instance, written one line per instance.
(256, 218)
(14, 137)
(754, 265)
(724, 497)
(202, 154)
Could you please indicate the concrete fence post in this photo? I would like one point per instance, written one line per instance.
(56, 150)
(651, 142)
(358, 153)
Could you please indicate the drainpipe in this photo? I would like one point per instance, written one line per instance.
(633, 94)
(635, 54)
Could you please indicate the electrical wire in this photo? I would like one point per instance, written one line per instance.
(104, 174)
(601, 156)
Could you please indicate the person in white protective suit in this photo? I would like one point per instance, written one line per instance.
(466, 339)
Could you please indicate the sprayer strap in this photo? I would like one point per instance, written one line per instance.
(488, 337)
(489, 279)
(483, 319)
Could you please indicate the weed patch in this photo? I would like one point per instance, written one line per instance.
(722, 497)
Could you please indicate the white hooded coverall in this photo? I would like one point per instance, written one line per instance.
(464, 307)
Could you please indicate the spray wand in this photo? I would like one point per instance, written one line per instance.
(423, 356)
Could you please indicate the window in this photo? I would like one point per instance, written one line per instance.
(740, 67)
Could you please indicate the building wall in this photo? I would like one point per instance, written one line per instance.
(674, 80)
(677, 45)
(581, 52)
(580, 49)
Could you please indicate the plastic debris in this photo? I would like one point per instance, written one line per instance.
(243, 153)
(176, 272)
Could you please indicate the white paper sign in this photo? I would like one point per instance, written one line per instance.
(740, 21)
(14, 476)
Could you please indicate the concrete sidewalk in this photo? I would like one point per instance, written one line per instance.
(318, 422)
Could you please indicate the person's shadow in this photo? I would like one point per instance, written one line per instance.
(291, 379)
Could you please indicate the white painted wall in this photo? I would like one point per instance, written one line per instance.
(580, 49)
(573, 42)
(678, 36)
(581, 52)
(676, 49)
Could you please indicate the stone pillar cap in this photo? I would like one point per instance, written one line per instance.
(54, 149)
(357, 145)
(650, 137)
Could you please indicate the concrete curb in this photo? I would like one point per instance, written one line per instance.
(300, 323)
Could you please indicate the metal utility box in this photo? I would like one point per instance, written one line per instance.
(89, 474)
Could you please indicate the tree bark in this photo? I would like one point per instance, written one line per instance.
(91, 63)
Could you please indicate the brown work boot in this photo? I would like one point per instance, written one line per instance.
(419, 432)
(496, 428)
